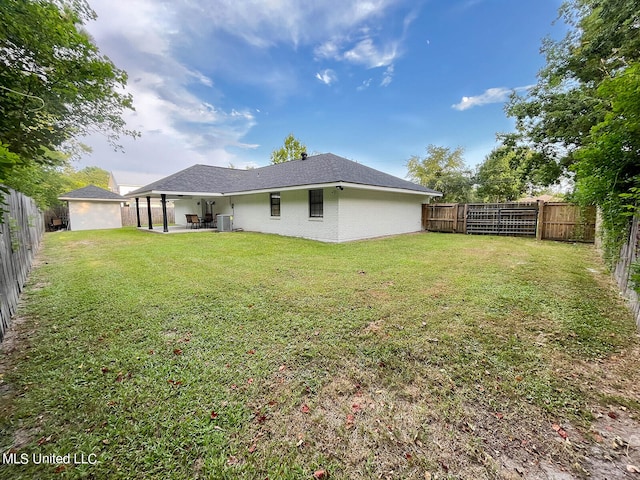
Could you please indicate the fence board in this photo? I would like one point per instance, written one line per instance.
(566, 222)
(129, 216)
(21, 231)
(545, 221)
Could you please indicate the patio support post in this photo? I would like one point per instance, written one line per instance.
(138, 211)
(165, 225)
(149, 212)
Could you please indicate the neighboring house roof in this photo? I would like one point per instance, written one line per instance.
(133, 179)
(320, 169)
(93, 193)
(544, 198)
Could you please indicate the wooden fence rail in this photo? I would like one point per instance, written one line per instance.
(21, 231)
(545, 221)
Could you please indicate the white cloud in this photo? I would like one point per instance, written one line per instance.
(327, 76)
(368, 54)
(491, 95)
(364, 85)
(176, 83)
(387, 77)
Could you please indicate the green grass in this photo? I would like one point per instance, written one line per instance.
(408, 355)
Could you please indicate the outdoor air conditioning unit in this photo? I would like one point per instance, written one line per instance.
(225, 223)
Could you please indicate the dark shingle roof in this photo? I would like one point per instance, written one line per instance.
(315, 170)
(92, 193)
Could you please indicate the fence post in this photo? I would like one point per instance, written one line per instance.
(540, 224)
(466, 210)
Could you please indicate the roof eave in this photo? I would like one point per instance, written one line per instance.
(358, 186)
(85, 199)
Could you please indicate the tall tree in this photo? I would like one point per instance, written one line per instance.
(581, 117)
(496, 178)
(55, 86)
(291, 150)
(443, 170)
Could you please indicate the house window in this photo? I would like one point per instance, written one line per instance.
(315, 203)
(275, 204)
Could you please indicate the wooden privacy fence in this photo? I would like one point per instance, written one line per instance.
(625, 266)
(129, 215)
(545, 221)
(21, 231)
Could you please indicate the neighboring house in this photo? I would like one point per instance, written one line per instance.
(93, 208)
(122, 182)
(322, 197)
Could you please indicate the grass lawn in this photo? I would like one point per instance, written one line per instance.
(256, 356)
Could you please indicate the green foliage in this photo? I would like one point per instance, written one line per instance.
(497, 179)
(45, 183)
(583, 116)
(444, 171)
(291, 150)
(55, 85)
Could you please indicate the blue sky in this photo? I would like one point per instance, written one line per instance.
(225, 81)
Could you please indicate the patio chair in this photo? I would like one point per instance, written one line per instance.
(193, 220)
(56, 224)
(209, 220)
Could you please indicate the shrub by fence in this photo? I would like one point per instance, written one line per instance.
(21, 231)
(545, 221)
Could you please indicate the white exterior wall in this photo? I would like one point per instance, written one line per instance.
(86, 215)
(253, 213)
(183, 207)
(368, 213)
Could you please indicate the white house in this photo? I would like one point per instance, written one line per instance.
(322, 197)
(92, 208)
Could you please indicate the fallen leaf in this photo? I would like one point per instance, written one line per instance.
(251, 352)
(356, 407)
(560, 430)
(320, 474)
(612, 415)
(119, 377)
(214, 414)
(104, 369)
(282, 368)
(499, 416)
(305, 408)
(350, 420)
(250, 381)
(61, 468)
(408, 456)
(519, 378)
(151, 352)
(232, 460)
(177, 351)
(252, 448)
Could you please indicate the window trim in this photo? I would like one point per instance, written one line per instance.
(316, 203)
(272, 197)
